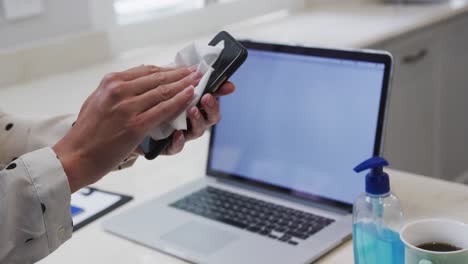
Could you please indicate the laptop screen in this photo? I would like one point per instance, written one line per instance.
(300, 122)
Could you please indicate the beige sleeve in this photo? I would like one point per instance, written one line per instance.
(35, 195)
(19, 135)
(35, 214)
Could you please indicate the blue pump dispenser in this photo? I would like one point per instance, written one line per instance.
(377, 182)
(377, 218)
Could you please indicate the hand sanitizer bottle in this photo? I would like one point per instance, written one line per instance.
(377, 219)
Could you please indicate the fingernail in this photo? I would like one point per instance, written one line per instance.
(196, 113)
(180, 138)
(189, 91)
(211, 102)
(193, 111)
(193, 68)
(196, 75)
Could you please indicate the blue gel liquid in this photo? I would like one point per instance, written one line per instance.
(377, 244)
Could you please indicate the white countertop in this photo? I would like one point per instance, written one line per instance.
(420, 196)
(349, 24)
(343, 25)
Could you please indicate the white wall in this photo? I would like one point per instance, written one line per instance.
(192, 24)
(100, 38)
(60, 17)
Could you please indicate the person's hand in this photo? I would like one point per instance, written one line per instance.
(116, 117)
(200, 119)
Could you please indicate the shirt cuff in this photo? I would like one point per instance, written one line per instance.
(53, 192)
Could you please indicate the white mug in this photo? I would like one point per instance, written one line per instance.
(435, 230)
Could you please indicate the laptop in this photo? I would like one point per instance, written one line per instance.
(279, 183)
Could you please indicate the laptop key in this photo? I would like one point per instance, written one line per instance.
(264, 232)
(254, 228)
(281, 229)
(232, 222)
(272, 236)
(298, 235)
(293, 225)
(311, 232)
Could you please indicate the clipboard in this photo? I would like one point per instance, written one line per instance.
(89, 204)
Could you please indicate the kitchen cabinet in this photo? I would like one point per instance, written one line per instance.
(454, 101)
(427, 119)
(410, 136)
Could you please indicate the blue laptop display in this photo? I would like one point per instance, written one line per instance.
(300, 122)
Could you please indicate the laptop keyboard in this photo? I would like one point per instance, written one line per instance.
(267, 219)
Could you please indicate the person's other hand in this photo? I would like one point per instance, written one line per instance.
(200, 119)
(116, 117)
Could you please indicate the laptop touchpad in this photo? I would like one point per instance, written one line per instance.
(200, 238)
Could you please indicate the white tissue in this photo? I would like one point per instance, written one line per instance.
(194, 54)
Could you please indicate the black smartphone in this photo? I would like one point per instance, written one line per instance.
(230, 59)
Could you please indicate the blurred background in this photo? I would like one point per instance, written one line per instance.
(60, 49)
